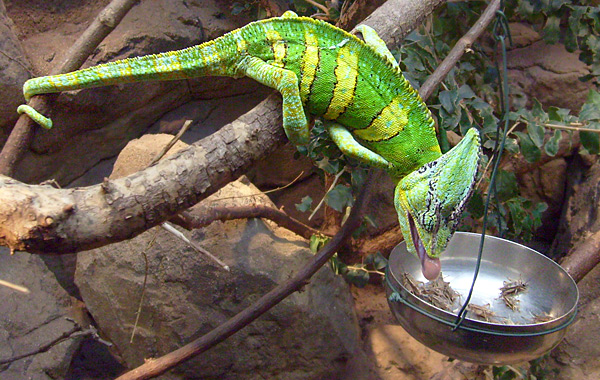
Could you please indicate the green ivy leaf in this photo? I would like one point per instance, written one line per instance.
(590, 141)
(529, 150)
(448, 100)
(357, 277)
(317, 242)
(304, 204)
(536, 133)
(552, 29)
(376, 260)
(339, 197)
(551, 147)
(476, 205)
(591, 108)
(506, 184)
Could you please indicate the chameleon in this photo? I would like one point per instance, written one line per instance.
(355, 86)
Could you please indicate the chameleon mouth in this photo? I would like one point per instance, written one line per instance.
(430, 268)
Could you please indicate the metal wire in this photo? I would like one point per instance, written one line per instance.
(500, 32)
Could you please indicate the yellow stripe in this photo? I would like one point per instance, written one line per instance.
(390, 121)
(310, 61)
(346, 72)
(278, 46)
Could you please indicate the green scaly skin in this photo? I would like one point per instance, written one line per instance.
(370, 110)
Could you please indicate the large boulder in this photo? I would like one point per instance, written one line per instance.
(312, 334)
(30, 321)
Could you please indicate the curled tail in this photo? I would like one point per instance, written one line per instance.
(211, 58)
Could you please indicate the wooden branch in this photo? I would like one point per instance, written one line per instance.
(204, 217)
(42, 219)
(459, 49)
(22, 134)
(158, 366)
(583, 258)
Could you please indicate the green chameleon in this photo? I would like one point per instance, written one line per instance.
(367, 106)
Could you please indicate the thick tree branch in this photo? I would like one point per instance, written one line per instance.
(42, 219)
(583, 258)
(22, 134)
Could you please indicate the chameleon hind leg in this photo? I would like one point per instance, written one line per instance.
(285, 81)
(352, 148)
(372, 39)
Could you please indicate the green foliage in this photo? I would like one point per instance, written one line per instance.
(469, 97)
(576, 24)
(535, 371)
(359, 274)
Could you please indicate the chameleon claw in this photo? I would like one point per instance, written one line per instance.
(40, 119)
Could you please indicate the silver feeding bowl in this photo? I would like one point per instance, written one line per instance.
(514, 336)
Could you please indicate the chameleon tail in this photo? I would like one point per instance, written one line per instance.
(211, 58)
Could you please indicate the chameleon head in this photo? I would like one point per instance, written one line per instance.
(430, 201)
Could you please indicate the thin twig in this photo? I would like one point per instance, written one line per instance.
(571, 128)
(459, 49)
(169, 227)
(335, 179)
(141, 301)
(204, 217)
(317, 5)
(16, 287)
(177, 137)
(45, 347)
(22, 134)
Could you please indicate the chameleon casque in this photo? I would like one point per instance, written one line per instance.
(368, 107)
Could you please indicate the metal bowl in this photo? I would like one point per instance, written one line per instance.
(517, 337)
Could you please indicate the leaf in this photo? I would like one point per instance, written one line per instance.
(552, 29)
(448, 100)
(537, 111)
(339, 197)
(506, 185)
(475, 207)
(529, 150)
(590, 141)
(357, 277)
(337, 266)
(376, 260)
(591, 108)
(551, 147)
(304, 204)
(536, 133)
(317, 242)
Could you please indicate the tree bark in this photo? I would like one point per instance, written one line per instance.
(40, 219)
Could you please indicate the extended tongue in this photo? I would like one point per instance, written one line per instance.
(431, 268)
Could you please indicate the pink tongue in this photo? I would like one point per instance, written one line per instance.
(431, 268)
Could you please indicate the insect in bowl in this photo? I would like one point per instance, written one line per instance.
(507, 333)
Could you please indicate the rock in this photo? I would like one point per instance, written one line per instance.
(14, 71)
(312, 334)
(548, 73)
(29, 321)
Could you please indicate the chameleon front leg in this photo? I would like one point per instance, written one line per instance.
(352, 148)
(285, 81)
(372, 39)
